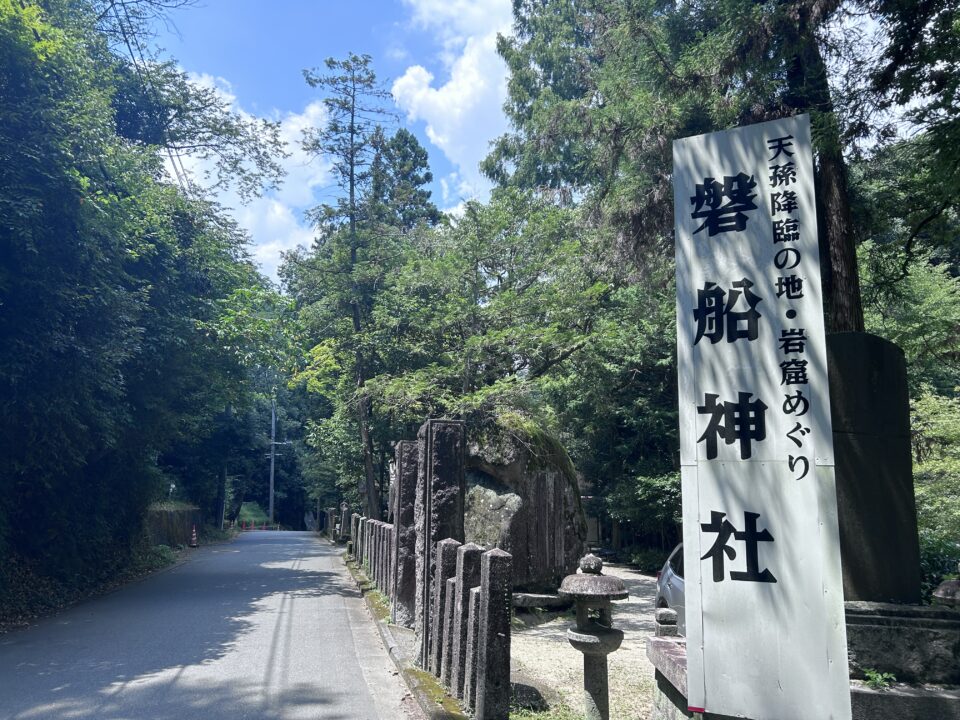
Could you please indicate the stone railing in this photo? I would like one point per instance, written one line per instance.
(470, 614)
(455, 597)
(470, 626)
(374, 553)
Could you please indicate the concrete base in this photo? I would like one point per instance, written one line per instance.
(905, 702)
(900, 702)
(915, 643)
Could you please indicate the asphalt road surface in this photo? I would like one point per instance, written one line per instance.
(269, 626)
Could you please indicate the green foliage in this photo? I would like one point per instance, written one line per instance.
(938, 561)
(364, 238)
(935, 426)
(920, 312)
(252, 512)
(557, 712)
(644, 559)
(117, 291)
(878, 680)
(154, 558)
(919, 69)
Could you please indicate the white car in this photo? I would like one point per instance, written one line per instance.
(670, 587)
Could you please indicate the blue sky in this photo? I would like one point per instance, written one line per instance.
(437, 57)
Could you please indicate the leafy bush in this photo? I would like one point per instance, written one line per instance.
(878, 680)
(645, 559)
(938, 559)
(251, 511)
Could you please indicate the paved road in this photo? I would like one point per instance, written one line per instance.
(268, 626)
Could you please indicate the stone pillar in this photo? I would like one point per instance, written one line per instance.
(365, 557)
(332, 523)
(869, 406)
(354, 523)
(380, 555)
(344, 521)
(493, 653)
(388, 560)
(473, 636)
(665, 623)
(385, 559)
(468, 577)
(375, 552)
(446, 568)
(446, 638)
(358, 555)
(392, 559)
(438, 514)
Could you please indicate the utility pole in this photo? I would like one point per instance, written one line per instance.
(273, 449)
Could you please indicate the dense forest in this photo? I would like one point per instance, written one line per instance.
(141, 349)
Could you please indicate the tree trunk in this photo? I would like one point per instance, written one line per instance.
(372, 497)
(842, 282)
(371, 503)
(810, 92)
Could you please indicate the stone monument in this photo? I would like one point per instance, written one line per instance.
(438, 511)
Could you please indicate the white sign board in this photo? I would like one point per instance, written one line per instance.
(765, 625)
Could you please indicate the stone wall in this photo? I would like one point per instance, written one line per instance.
(172, 527)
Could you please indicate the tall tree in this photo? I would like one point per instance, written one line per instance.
(107, 275)
(361, 235)
(599, 89)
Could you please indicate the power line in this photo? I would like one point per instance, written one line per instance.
(176, 162)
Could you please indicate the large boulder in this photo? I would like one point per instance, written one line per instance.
(523, 497)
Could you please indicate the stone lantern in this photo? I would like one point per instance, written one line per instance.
(594, 634)
(948, 593)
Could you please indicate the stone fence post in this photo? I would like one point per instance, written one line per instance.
(405, 534)
(446, 567)
(473, 637)
(493, 654)
(468, 577)
(368, 546)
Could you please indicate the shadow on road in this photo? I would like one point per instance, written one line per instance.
(126, 654)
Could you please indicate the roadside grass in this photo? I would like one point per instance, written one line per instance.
(379, 603)
(213, 534)
(558, 712)
(434, 690)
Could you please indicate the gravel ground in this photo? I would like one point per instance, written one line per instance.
(541, 655)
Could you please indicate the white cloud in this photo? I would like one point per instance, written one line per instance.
(462, 18)
(275, 228)
(220, 85)
(463, 114)
(305, 174)
(274, 221)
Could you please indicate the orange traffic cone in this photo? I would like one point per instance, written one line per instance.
(193, 537)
